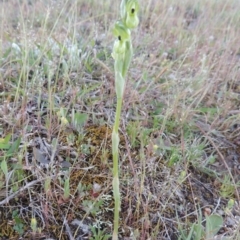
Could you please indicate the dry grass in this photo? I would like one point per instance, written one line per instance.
(180, 142)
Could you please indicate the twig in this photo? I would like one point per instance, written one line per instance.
(28, 185)
(68, 229)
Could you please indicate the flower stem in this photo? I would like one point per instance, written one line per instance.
(116, 190)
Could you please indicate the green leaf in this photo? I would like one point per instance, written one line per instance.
(4, 142)
(213, 225)
(79, 119)
(14, 147)
(4, 167)
(230, 204)
(190, 235)
(66, 188)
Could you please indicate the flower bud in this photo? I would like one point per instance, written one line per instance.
(34, 225)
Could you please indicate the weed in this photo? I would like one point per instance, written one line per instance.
(66, 193)
(213, 224)
(18, 223)
(34, 225)
(227, 189)
(99, 234)
(132, 131)
(92, 207)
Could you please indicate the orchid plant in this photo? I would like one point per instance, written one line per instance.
(122, 54)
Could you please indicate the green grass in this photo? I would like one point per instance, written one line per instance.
(179, 132)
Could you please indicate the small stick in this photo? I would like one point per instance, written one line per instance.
(28, 185)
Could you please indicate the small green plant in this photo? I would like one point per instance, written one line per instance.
(34, 225)
(8, 147)
(83, 189)
(227, 188)
(99, 234)
(66, 193)
(122, 54)
(213, 224)
(4, 142)
(79, 119)
(132, 130)
(18, 223)
(92, 207)
(197, 232)
(229, 206)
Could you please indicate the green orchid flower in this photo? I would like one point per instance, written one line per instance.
(121, 31)
(129, 12)
(123, 35)
(132, 9)
(122, 49)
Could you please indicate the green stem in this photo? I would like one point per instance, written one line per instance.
(122, 54)
(116, 191)
(118, 114)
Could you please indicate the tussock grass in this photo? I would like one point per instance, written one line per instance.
(179, 160)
